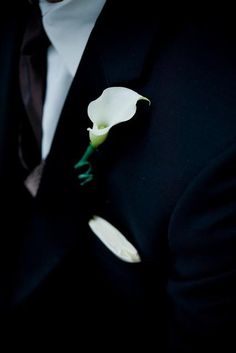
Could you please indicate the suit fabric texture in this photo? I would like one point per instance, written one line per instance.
(166, 179)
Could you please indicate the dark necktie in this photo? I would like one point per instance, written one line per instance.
(32, 83)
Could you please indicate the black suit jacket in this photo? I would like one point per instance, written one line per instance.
(166, 179)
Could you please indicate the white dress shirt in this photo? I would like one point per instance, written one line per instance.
(68, 25)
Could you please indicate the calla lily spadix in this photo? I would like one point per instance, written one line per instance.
(114, 106)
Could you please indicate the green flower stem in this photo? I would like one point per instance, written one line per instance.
(89, 151)
(86, 176)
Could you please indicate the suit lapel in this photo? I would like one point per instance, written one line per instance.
(11, 30)
(125, 39)
(115, 55)
(11, 110)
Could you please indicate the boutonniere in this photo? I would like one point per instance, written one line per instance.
(114, 106)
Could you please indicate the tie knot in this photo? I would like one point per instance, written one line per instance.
(35, 38)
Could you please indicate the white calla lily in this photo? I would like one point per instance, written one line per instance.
(114, 106)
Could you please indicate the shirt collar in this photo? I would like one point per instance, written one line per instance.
(68, 25)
